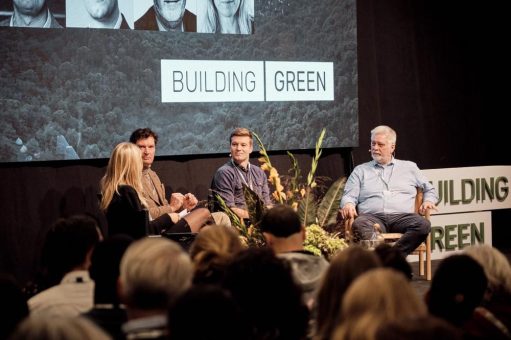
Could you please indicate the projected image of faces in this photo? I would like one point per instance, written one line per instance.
(168, 16)
(29, 13)
(107, 14)
(226, 16)
(170, 10)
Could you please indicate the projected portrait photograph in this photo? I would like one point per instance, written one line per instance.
(166, 15)
(225, 16)
(109, 14)
(32, 13)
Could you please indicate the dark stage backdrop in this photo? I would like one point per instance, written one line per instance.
(74, 93)
(430, 69)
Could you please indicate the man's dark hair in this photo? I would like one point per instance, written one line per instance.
(67, 243)
(143, 133)
(281, 221)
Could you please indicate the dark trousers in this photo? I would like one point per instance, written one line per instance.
(414, 228)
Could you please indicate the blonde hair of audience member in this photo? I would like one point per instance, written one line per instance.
(496, 267)
(344, 268)
(155, 265)
(377, 297)
(124, 168)
(50, 328)
(243, 19)
(212, 249)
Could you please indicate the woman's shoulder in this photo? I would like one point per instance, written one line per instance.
(125, 189)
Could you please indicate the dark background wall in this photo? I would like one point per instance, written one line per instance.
(430, 69)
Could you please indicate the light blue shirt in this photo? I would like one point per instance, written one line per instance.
(389, 189)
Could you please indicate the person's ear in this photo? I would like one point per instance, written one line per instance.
(269, 238)
(120, 291)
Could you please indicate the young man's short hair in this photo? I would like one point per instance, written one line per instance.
(281, 221)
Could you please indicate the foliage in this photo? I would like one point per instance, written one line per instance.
(316, 206)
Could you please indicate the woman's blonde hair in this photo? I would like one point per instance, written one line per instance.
(124, 168)
(243, 15)
(212, 250)
(377, 297)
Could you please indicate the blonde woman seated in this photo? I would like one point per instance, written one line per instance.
(229, 17)
(124, 205)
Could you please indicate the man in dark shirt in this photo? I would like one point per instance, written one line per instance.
(229, 179)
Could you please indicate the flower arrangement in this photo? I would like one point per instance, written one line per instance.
(316, 209)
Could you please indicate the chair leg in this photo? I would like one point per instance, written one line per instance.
(428, 257)
(421, 263)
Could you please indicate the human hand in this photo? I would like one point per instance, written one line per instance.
(176, 201)
(348, 211)
(427, 205)
(190, 201)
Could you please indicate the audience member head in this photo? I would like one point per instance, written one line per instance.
(153, 272)
(68, 246)
(43, 327)
(457, 289)
(344, 268)
(124, 168)
(375, 298)
(217, 311)
(392, 257)
(496, 267)
(418, 328)
(268, 297)
(282, 229)
(104, 269)
(14, 305)
(212, 250)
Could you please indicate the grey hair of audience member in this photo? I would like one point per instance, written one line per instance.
(44, 327)
(495, 265)
(153, 272)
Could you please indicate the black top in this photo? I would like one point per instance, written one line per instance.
(126, 215)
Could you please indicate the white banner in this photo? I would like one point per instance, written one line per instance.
(299, 81)
(471, 188)
(211, 81)
(451, 233)
(245, 81)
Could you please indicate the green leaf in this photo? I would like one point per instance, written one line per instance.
(307, 209)
(235, 220)
(255, 206)
(295, 170)
(329, 206)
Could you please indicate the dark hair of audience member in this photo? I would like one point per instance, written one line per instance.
(104, 269)
(344, 268)
(392, 257)
(217, 311)
(457, 289)
(268, 297)
(67, 244)
(212, 250)
(418, 328)
(14, 305)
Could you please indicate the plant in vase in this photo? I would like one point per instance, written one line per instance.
(316, 208)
